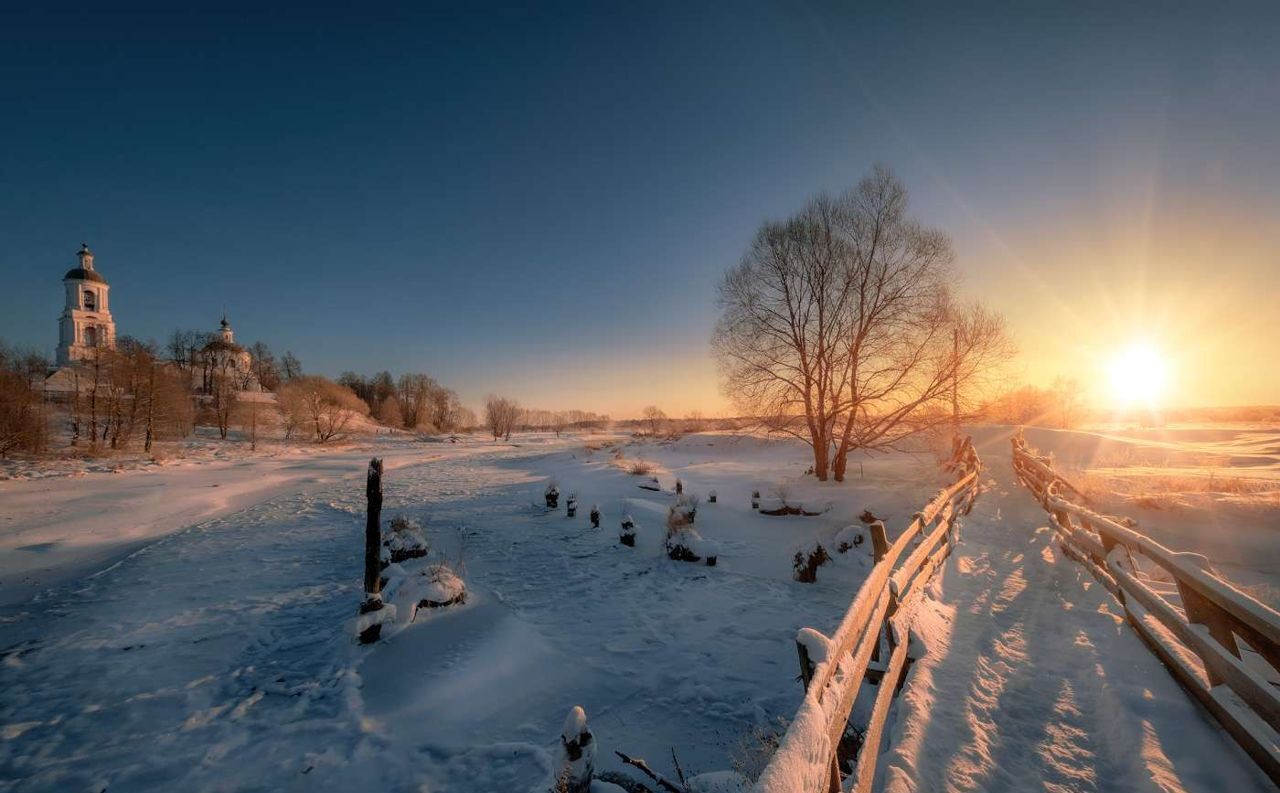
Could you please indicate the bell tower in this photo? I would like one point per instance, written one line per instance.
(86, 320)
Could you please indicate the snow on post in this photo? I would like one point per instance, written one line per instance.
(577, 761)
(571, 505)
(552, 494)
(628, 534)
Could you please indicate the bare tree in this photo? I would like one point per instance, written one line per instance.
(389, 412)
(840, 327)
(23, 423)
(265, 367)
(328, 407)
(654, 419)
(290, 366)
(501, 415)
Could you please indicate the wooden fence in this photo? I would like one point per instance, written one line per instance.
(809, 756)
(1222, 645)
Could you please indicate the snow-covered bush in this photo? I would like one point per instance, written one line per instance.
(628, 534)
(552, 494)
(683, 542)
(807, 561)
(405, 541)
(848, 538)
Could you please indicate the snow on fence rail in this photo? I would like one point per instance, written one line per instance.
(1222, 645)
(833, 669)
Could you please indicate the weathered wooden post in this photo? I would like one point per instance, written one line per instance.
(879, 540)
(595, 516)
(373, 551)
(807, 668)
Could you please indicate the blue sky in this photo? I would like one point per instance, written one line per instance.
(541, 201)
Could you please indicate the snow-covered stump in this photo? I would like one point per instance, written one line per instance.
(571, 506)
(552, 495)
(679, 487)
(577, 761)
(627, 536)
(372, 611)
(806, 562)
(711, 497)
(755, 499)
(595, 516)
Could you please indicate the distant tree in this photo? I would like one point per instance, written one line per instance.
(290, 366)
(389, 412)
(414, 391)
(694, 421)
(23, 423)
(501, 415)
(265, 367)
(1067, 401)
(654, 419)
(328, 407)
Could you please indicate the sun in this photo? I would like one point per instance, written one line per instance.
(1139, 374)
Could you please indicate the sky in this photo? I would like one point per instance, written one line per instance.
(539, 201)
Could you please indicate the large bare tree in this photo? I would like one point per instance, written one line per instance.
(840, 326)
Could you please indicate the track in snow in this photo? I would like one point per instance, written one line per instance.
(1032, 680)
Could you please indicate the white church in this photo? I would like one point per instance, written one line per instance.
(86, 325)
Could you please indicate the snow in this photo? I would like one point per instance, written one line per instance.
(187, 627)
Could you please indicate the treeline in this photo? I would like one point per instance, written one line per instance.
(1061, 405)
(119, 394)
(197, 352)
(23, 424)
(414, 401)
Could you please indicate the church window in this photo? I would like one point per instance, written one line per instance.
(90, 300)
(91, 336)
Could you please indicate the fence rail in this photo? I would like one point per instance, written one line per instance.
(833, 669)
(1222, 645)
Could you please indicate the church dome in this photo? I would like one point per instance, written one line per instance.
(82, 274)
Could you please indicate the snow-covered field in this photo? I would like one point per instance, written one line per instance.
(1211, 489)
(187, 627)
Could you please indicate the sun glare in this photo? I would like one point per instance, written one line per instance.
(1139, 374)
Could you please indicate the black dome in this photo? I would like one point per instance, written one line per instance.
(85, 275)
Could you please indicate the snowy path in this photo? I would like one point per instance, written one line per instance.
(1032, 680)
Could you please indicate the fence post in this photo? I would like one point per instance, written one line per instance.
(806, 677)
(373, 551)
(879, 540)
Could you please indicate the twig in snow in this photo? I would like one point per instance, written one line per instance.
(680, 773)
(662, 781)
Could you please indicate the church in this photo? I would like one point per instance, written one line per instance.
(86, 325)
(86, 320)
